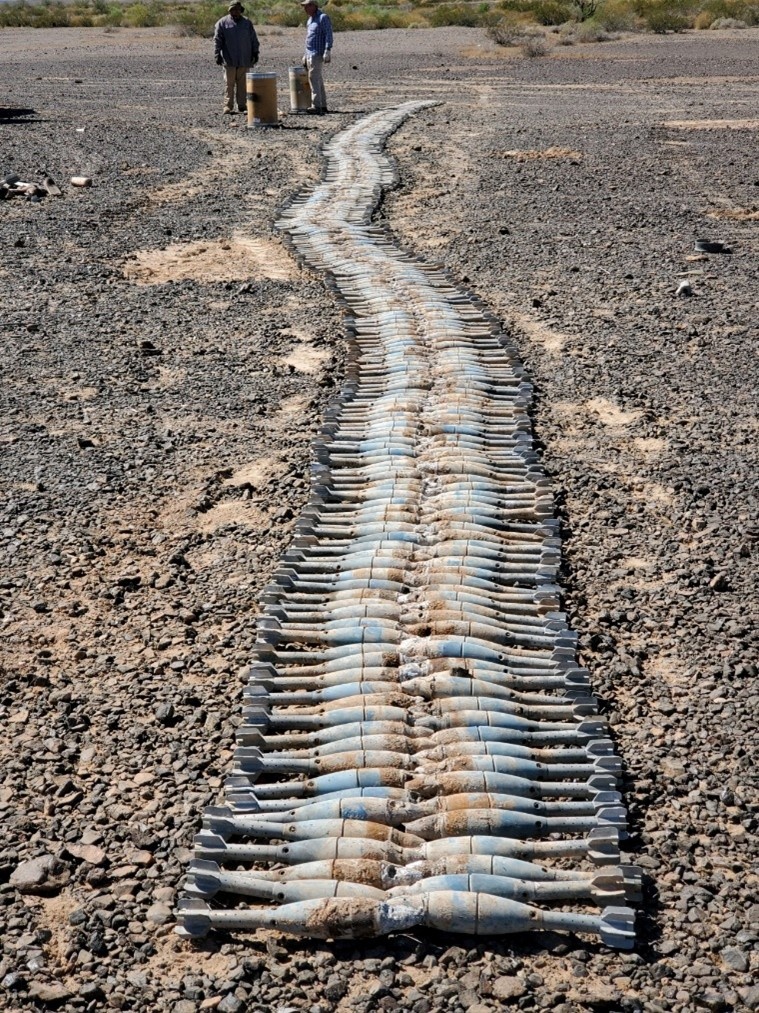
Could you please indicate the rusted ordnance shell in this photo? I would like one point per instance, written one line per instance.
(448, 911)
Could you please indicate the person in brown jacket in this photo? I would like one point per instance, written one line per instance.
(236, 50)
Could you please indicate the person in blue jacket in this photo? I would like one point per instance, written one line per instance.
(236, 50)
(318, 52)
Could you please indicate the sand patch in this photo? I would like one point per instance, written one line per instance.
(530, 155)
(255, 473)
(649, 448)
(174, 959)
(53, 914)
(214, 555)
(79, 393)
(552, 341)
(635, 563)
(179, 515)
(735, 214)
(610, 414)
(667, 670)
(711, 124)
(238, 512)
(292, 406)
(652, 492)
(306, 358)
(234, 259)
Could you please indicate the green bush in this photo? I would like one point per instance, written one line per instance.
(533, 46)
(591, 31)
(586, 8)
(287, 16)
(552, 12)
(739, 10)
(616, 16)
(114, 16)
(505, 32)
(199, 19)
(52, 15)
(665, 15)
(139, 15)
(498, 17)
(454, 14)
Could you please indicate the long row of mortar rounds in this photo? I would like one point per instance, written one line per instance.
(416, 723)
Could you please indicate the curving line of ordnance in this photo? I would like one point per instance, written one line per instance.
(420, 745)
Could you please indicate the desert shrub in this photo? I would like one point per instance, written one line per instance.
(507, 31)
(591, 31)
(287, 16)
(542, 11)
(586, 8)
(11, 15)
(409, 19)
(57, 15)
(114, 17)
(552, 12)
(199, 19)
(503, 35)
(616, 16)
(665, 15)
(454, 14)
(51, 15)
(360, 19)
(141, 15)
(391, 19)
(740, 10)
(509, 28)
(532, 46)
(728, 23)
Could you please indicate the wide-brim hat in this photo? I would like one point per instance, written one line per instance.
(235, 3)
(305, 3)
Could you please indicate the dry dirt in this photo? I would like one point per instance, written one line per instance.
(165, 365)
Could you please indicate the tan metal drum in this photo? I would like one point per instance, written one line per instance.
(262, 99)
(300, 92)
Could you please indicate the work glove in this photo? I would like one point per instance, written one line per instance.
(219, 59)
(327, 55)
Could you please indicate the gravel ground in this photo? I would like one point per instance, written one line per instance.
(164, 366)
